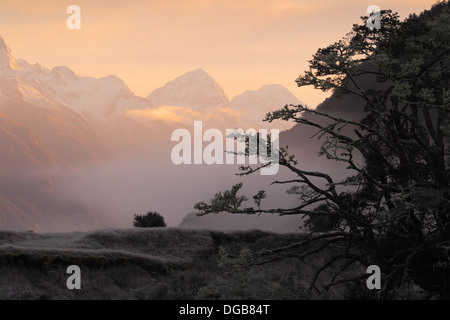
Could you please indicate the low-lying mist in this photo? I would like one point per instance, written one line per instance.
(136, 184)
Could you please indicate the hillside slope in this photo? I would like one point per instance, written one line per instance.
(150, 264)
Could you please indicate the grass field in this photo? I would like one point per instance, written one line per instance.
(166, 263)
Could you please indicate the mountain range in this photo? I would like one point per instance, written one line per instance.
(54, 119)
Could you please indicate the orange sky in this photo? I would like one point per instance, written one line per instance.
(242, 44)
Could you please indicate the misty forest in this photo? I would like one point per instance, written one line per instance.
(86, 179)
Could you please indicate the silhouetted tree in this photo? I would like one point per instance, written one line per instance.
(322, 219)
(149, 220)
(395, 212)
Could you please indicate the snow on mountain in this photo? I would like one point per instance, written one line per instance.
(195, 90)
(31, 95)
(99, 100)
(54, 119)
(196, 93)
(7, 61)
(95, 99)
(254, 105)
(8, 69)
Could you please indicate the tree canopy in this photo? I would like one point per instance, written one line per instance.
(394, 209)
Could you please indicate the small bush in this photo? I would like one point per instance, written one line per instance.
(149, 220)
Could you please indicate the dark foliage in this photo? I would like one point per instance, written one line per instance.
(322, 219)
(149, 220)
(393, 210)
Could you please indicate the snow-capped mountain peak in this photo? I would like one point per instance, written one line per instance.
(255, 104)
(102, 99)
(7, 61)
(195, 89)
(63, 72)
(94, 99)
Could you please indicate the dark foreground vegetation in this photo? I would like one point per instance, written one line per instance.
(393, 208)
(158, 264)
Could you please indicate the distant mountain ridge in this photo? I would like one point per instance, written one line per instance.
(254, 103)
(54, 119)
(95, 99)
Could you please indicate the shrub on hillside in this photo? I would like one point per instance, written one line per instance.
(149, 220)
